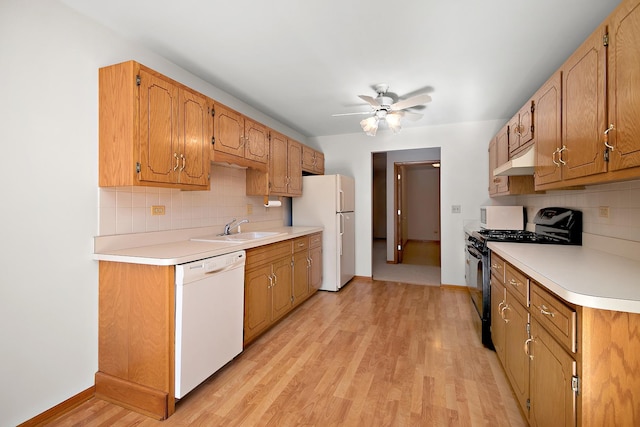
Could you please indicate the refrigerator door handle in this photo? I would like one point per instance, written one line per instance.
(341, 232)
(341, 207)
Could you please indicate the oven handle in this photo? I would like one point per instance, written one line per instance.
(473, 252)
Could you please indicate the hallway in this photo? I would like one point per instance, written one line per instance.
(421, 264)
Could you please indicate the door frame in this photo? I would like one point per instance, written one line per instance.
(400, 230)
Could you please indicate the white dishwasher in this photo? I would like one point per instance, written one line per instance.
(209, 317)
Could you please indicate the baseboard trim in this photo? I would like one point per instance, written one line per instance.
(60, 409)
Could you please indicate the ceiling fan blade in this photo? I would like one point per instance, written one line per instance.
(411, 115)
(351, 114)
(411, 102)
(371, 101)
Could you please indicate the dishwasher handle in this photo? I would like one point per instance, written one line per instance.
(225, 268)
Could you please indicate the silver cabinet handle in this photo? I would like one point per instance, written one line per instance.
(275, 280)
(506, 307)
(175, 168)
(564, 147)
(553, 157)
(606, 137)
(514, 282)
(545, 310)
(270, 282)
(526, 347)
(184, 162)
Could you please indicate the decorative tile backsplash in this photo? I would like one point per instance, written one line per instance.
(622, 199)
(126, 210)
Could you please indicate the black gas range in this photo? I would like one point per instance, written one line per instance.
(559, 226)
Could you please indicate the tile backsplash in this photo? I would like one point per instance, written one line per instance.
(622, 199)
(126, 210)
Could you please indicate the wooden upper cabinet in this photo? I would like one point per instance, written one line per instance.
(256, 141)
(239, 140)
(624, 86)
(278, 166)
(547, 101)
(228, 130)
(498, 155)
(521, 128)
(312, 161)
(583, 108)
(153, 130)
(294, 163)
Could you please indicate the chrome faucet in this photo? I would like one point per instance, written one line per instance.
(230, 226)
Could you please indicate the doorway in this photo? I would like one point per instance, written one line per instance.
(406, 216)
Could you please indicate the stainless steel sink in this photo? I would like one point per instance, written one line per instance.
(239, 237)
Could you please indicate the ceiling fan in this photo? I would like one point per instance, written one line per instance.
(385, 108)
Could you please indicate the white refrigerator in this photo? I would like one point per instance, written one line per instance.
(329, 201)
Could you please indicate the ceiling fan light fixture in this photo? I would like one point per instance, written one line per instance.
(370, 125)
(393, 120)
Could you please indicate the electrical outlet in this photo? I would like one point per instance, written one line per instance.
(456, 209)
(249, 208)
(603, 211)
(157, 210)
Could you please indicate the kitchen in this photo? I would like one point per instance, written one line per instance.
(53, 307)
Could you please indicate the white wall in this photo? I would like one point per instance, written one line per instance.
(49, 107)
(463, 153)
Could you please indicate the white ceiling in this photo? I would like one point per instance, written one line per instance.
(300, 61)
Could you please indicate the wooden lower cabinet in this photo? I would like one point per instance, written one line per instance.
(278, 278)
(568, 365)
(553, 401)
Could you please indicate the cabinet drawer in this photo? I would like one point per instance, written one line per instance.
(315, 240)
(263, 254)
(497, 267)
(517, 283)
(301, 244)
(554, 315)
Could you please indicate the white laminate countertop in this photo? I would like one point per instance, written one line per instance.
(183, 250)
(580, 275)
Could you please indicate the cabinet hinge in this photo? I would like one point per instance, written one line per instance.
(532, 126)
(533, 107)
(575, 384)
(606, 155)
(528, 404)
(605, 40)
(213, 140)
(137, 167)
(292, 299)
(213, 112)
(138, 81)
(528, 329)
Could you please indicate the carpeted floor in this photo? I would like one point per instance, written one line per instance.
(421, 264)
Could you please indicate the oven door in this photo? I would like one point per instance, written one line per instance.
(474, 278)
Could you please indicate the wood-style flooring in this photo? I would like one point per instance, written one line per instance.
(374, 354)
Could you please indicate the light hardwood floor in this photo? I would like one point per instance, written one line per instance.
(374, 354)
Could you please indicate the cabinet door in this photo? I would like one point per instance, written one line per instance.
(315, 274)
(553, 401)
(228, 131)
(624, 85)
(159, 157)
(498, 298)
(308, 157)
(548, 131)
(513, 134)
(281, 289)
(502, 157)
(278, 164)
(294, 161)
(517, 361)
(525, 127)
(583, 108)
(319, 161)
(256, 141)
(195, 134)
(257, 301)
(300, 276)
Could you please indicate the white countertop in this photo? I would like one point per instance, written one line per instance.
(578, 274)
(181, 250)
